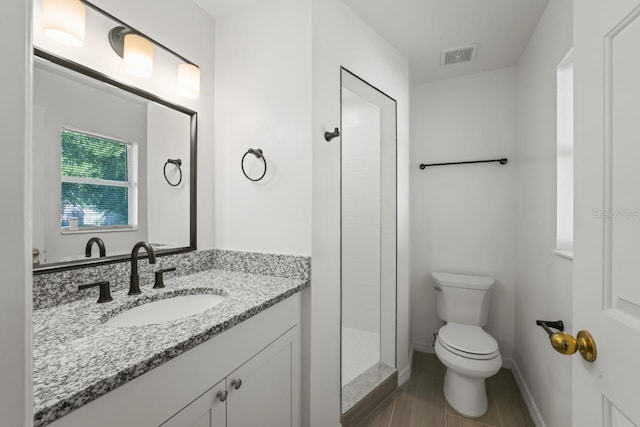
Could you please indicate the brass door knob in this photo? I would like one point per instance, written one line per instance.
(565, 343)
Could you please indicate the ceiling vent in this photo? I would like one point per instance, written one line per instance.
(459, 54)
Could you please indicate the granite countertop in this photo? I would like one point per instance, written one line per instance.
(76, 358)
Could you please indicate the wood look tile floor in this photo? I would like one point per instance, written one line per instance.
(420, 401)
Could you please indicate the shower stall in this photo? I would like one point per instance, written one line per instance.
(368, 239)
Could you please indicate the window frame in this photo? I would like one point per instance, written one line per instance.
(131, 184)
(565, 141)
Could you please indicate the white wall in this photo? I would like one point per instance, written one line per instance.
(340, 38)
(360, 213)
(68, 103)
(463, 215)
(263, 100)
(15, 217)
(544, 280)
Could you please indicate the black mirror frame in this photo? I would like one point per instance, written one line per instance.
(82, 263)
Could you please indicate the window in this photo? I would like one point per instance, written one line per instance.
(98, 182)
(564, 230)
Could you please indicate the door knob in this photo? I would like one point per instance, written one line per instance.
(565, 343)
(236, 383)
(222, 395)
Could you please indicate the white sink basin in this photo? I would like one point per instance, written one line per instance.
(165, 310)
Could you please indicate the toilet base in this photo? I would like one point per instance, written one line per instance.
(466, 395)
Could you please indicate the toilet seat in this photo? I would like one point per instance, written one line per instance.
(468, 341)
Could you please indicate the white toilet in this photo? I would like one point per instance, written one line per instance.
(469, 353)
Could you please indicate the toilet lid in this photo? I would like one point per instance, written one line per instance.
(468, 341)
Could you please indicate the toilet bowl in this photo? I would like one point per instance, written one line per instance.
(469, 353)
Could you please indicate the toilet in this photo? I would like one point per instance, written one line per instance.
(469, 353)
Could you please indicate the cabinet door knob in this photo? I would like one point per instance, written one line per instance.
(222, 395)
(236, 383)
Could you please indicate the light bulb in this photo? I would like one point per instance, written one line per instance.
(64, 21)
(138, 56)
(189, 81)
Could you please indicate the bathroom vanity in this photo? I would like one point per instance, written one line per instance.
(115, 162)
(236, 364)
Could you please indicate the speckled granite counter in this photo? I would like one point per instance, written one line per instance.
(76, 358)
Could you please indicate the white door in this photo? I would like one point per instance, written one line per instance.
(607, 210)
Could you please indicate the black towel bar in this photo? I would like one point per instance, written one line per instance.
(502, 161)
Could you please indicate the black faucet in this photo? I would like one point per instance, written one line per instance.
(98, 241)
(134, 287)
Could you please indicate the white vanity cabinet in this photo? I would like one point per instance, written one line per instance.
(259, 393)
(262, 352)
(206, 411)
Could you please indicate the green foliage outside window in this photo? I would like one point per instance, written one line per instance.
(92, 158)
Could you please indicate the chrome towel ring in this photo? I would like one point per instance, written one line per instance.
(258, 153)
(177, 163)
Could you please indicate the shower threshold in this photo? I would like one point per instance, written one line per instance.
(357, 389)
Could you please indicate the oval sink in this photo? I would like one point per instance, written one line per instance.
(165, 310)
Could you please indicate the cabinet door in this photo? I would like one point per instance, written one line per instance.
(264, 397)
(206, 411)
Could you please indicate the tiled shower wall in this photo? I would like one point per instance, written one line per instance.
(360, 214)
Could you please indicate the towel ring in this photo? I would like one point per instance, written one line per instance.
(258, 153)
(177, 163)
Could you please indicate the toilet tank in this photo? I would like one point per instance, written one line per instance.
(462, 298)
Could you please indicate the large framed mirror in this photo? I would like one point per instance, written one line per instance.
(110, 161)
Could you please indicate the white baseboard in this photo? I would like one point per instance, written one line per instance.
(507, 363)
(422, 347)
(404, 375)
(527, 396)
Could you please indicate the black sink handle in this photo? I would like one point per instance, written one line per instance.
(159, 282)
(105, 294)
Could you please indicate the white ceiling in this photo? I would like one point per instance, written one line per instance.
(220, 8)
(421, 29)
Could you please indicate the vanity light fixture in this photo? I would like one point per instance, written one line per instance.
(189, 81)
(135, 50)
(64, 21)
